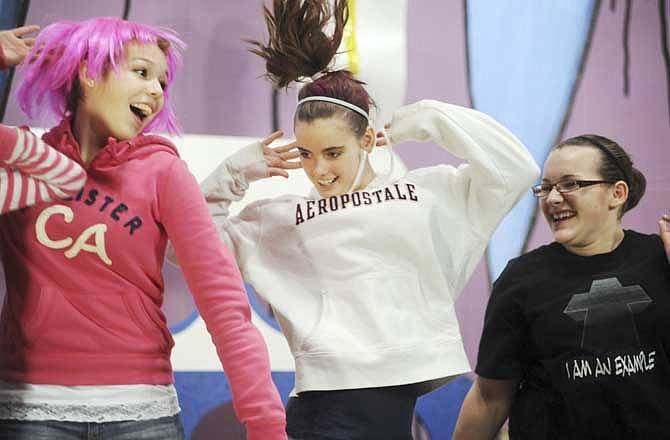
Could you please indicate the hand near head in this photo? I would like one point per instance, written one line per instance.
(15, 44)
(278, 159)
(381, 137)
(664, 231)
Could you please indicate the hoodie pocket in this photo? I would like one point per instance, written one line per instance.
(375, 311)
(114, 322)
(27, 316)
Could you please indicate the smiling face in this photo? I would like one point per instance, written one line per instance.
(330, 153)
(584, 221)
(123, 103)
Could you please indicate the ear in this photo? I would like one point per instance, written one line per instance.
(368, 139)
(84, 80)
(619, 195)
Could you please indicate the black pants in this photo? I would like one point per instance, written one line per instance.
(362, 414)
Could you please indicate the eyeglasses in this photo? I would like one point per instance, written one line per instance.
(564, 186)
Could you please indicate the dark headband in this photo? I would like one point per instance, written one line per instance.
(596, 143)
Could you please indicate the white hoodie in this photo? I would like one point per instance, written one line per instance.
(363, 284)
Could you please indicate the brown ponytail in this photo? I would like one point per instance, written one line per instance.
(298, 47)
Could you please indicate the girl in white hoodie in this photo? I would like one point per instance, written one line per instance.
(363, 273)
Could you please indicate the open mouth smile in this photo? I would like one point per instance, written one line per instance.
(559, 217)
(141, 110)
(326, 182)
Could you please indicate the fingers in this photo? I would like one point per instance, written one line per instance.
(291, 165)
(30, 42)
(664, 225)
(294, 154)
(25, 30)
(277, 172)
(664, 232)
(273, 137)
(381, 139)
(285, 148)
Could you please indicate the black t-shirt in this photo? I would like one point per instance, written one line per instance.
(588, 337)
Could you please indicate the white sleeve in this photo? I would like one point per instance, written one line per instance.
(499, 168)
(226, 184)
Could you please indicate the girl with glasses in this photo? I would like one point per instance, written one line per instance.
(576, 335)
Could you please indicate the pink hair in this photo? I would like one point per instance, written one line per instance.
(52, 67)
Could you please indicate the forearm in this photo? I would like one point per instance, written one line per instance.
(31, 171)
(481, 418)
(244, 356)
(497, 157)
(230, 180)
(218, 290)
(222, 301)
(228, 183)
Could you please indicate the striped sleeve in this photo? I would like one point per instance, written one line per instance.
(33, 172)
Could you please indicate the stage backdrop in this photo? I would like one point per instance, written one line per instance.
(546, 69)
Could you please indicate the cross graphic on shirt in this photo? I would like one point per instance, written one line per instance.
(607, 311)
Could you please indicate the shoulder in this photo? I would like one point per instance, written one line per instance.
(530, 268)
(276, 205)
(645, 243)
(538, 256)
(154, 139)
(440, 169)
(154, 147)
(640, 237)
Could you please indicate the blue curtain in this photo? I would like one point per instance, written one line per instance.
(524, 58)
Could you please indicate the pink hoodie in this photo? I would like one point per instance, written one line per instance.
(84, 283)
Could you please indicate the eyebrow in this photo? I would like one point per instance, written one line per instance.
(563, 177)
(143, 59)
(325, 150)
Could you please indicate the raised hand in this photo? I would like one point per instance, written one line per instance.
(381, 138)
(278, 159)
(15, 44)
(664, 231)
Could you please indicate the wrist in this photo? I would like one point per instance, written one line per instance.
(267, 431)
(3, 61)
(249, 163)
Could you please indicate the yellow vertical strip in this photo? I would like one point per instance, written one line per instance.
(349, 37)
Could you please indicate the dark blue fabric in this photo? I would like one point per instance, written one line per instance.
(165, 428)
(368, 413)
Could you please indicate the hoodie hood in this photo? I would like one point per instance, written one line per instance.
(114, 153)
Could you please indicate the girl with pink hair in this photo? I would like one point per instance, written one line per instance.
(84, 346)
